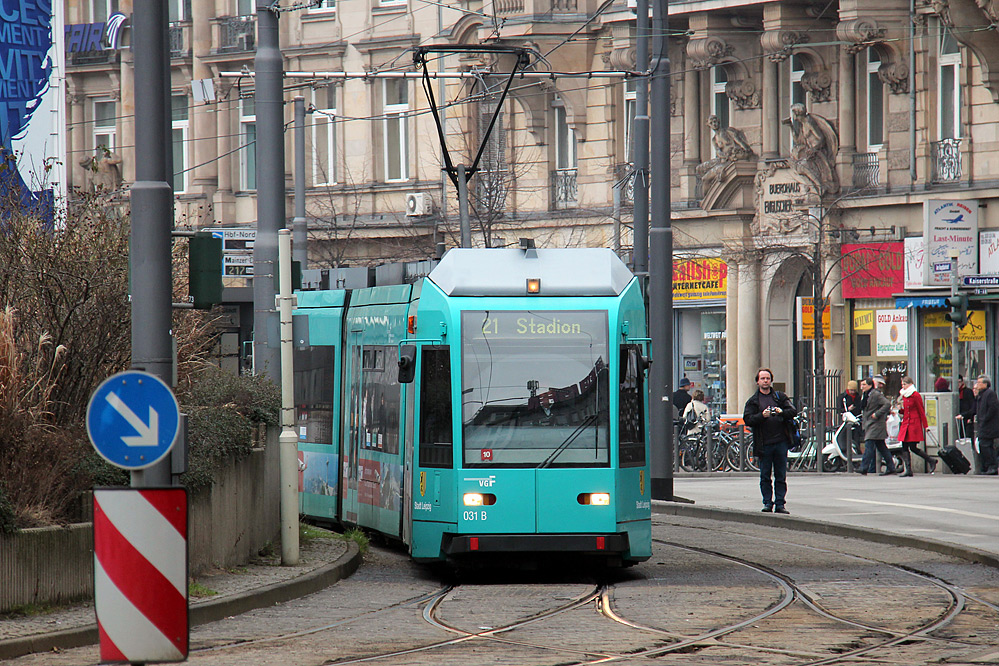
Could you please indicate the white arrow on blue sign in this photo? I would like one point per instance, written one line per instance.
(133, 419)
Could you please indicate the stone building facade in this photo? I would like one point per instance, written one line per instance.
(897, 117)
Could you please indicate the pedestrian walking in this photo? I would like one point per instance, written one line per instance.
(987, 424)
(912, 430)
(769, 414)
(876, 408)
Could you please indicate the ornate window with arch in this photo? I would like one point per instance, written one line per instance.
(875, 102)
(949, 64)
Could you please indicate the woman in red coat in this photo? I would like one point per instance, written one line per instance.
(912, 427)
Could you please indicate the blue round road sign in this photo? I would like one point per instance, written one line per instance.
(133, 419)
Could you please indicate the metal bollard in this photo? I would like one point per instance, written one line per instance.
(709, 449)
(742, 450)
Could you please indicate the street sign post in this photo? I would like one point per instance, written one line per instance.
(133, 419)
(140, 574)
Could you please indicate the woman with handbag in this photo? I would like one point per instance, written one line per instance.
(912, 429)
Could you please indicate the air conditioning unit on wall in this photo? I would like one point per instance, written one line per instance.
(418, 203)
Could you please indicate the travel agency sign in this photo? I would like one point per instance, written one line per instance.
(949, 226)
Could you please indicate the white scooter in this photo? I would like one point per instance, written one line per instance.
(834, 453)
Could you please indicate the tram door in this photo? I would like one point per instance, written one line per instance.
(353, 429)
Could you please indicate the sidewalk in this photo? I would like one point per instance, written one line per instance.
(263, 582)
(961, 511)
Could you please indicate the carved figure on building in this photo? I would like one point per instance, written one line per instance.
(105, 170)
(730, 146)
(813, 155)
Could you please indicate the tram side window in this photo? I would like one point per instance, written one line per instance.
(436, 436)
(632, 408)
(314, 393)
(380, 400)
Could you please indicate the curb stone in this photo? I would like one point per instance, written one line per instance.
(819, 527)
(203, 612)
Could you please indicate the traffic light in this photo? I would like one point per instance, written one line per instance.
(958, 314)
(205, 270)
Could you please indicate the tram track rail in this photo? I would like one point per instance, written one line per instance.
(752, 597)
(602, 595)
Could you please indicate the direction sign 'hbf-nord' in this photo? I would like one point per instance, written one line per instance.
(133, 419)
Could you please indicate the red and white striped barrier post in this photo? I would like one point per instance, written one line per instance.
(140, 574)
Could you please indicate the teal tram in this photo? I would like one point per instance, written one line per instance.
(495, 407)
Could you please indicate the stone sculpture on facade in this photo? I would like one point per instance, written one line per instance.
(730, 146)
(813, 155)
(105, 170)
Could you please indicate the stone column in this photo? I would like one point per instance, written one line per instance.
(203, 122)
(75, 129)
(692, 122)
(847, 115)
(771, 112)
(223, 201)
(731, 377)
(748, 353)
(123, 91)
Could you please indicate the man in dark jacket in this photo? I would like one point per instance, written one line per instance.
(875, 425)
(850, 401)
(681, 398)
(769, 414)
(965, 409)
(987, 424)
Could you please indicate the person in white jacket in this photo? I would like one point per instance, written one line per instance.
(696, 413)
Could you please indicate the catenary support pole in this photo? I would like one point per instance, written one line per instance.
(640, 149)
(661, 265)
(152, 206)
(466, 228)
(269, 106)
(288, 440)
(955, 334)
(299, 228)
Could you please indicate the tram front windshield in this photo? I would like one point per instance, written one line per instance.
(534, 388)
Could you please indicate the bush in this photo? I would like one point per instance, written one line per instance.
(65, 326)
(7, 522)
(223, 412)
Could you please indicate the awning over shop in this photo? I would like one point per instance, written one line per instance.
(919, 301)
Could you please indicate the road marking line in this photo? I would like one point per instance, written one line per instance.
(922, 507)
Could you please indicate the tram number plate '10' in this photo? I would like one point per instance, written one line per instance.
(475, 515)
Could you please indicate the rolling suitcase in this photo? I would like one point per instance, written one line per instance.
(955, 460)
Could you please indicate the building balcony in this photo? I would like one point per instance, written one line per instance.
(179, 38)
(539, 8)
(564, 189)
(236, 34)
(946, 156)
(866, 171)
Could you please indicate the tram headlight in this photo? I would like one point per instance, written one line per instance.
(473, 499)
(596, 499)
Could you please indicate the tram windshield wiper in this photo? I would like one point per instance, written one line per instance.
(588, 421)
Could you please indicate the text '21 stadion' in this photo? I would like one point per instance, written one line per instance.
(495, 408)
